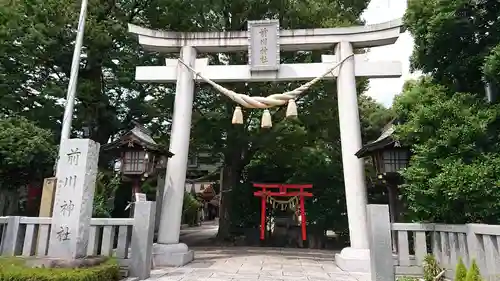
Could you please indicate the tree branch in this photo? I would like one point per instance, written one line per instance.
(215, 172)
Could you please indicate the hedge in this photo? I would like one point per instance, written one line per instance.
(13, 269)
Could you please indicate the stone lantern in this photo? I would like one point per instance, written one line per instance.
(389, 157)
(137, 156)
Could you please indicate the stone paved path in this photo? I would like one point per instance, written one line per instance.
(245, 264)
(199, 235)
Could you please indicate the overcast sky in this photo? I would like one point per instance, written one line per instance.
(384, 90)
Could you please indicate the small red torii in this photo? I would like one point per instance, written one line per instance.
(282, 191)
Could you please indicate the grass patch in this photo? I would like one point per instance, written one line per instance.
(13, 269)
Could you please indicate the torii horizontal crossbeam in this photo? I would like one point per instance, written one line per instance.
(286, 72)
(289, 40)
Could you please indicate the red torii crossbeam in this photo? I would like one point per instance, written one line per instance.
(282, 190)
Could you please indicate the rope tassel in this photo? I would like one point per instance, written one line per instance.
(237, 116)
(266, 120)
(291, 110)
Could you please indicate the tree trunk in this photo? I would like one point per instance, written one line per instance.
(12, 199)
(229, 178)
(3, 202)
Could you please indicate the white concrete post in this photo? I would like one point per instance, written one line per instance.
(142, 239)
(12, 238)
(379, 225)
(169, 251)
(354, 177)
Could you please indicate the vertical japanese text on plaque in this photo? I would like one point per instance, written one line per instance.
(263, 48)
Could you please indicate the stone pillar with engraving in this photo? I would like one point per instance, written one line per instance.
(76, 177)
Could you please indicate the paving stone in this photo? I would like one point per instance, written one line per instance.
(272, 273)
(171, 278)
(224, 275)
(361, 276)
(292, 269)
(246, 278)
(293, 273)
(157, 273)
(317, 274)
(342, 278)
(318, 278)
(295, 278)
(248, 271)
(332, 269)
(340, 274)
(203, 274)
(270, 268)
(175, 274)
(224, 268)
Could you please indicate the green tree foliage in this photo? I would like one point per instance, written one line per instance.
(106, 186)
(26, 152)
(296, 157)
(373, 117)
(492, 65)
(453, 175)
(473, 274)
(454, 171)
(36, 42)
(460, 271)
(452, 39)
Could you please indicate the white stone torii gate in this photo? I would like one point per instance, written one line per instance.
(169, 251)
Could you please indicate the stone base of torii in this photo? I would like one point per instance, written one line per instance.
(169, 251)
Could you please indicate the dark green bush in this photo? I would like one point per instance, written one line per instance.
(14, 270)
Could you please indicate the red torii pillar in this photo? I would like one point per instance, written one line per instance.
(284, 190)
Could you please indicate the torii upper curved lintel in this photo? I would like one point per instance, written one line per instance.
(290, 40)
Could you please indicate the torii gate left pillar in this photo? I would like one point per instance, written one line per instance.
(344, 40)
